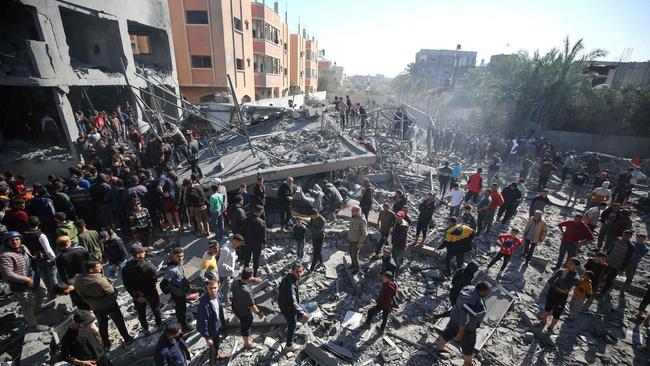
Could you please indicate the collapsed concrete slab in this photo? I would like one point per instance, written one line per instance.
(320, 356)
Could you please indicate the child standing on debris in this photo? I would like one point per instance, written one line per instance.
(299, 231)
(580, 294)
(509, 244)
(385, 301)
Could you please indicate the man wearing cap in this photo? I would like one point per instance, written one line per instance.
(317, 230)
(575, 234)
(618, 258)
(97, 291)
(600, 194)
(640, 250)
(80, 344)
(254, 230)
(399, 238)
(15, 265)
(209, 262)
(356, 236)
(226, 265)
(388, 263)
(139, 278)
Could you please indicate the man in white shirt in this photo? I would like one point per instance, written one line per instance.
(226, 265)
(455, 199)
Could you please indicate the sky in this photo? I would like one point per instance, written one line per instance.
(382, 36)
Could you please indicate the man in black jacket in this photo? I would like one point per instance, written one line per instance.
(511, 199)
(317, 230)
(71, 261)
(237, 216)
(426, 208)
(388, 264)
(285, 198)
(365, 202)
(254, 230)
(79, 345)
(259, 195)
(444, 176)
(289, 302)
(139, 278)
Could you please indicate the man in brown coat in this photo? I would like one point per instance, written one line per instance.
(356, 236)
(534, 233)
(95, 290)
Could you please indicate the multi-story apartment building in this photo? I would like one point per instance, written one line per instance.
(297, 46)
(270, 52)
(213, 39)
(311, 65)
(445, 68)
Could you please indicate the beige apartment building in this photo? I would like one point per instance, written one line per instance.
(248, 40)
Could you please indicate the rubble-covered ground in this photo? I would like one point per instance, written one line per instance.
(603, 334)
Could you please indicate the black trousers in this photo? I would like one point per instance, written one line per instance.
(316, 255)
(154, 303)
(510, 211)
(285, 216)
(253, 251)
(542, 183)
(609, 277)
(529, 249)
(384, 315)
(180, 309)
(506, 259)
(482, 222)
(102, 322)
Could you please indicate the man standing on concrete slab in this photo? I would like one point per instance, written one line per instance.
(575, 234)
(399, 239)
(600, 194)
(592, 216)
(457, 241)
(254, 230)
(226, 266)
(385, 222)
(365, 202)
(497, 201)
(466, 317)
(356, 236)
(444, 176)
(426, 208)
(286, 191)
(578, 180)
(289, 302)
(545, 171)
(244, 306)
(237, 215)
(534, 233)
(177, 286)
(209, 262)
(560, 284)
(388, 264)
(216, 209)
(317, 230)
(620, 222)
(15, 265)
(640, 250)
(139, 278)
(483, 209)
(210, 319)
(511, 199)
(539, 202)
(97, 291)
(259, 196)
(474, 186)
(455, 199)
(385, 301)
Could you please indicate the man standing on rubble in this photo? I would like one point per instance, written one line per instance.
(356, 236)
(254, 230)
(365, 202)
(177, 286)
(399, 239)
(226, 265)
(458, 241)
(97, 291)
(210, 318)
(474, 186)
(286, 191)
(317, 230)
(385, 222)
(575, 234)
(511, 199)
(244, 306)
(483, 209)
(15, 265)
(466, 317)
(426, 208)
(444, 176)
(289, 302)
(139, 278)
(497, 201)
(259, 196)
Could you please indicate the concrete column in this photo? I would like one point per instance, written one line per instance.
(66, 116)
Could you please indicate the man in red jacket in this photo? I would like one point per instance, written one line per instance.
(497, 201)
(474, 186)
(575, 234)
(16, 218)
(509, 243)
(385, 301)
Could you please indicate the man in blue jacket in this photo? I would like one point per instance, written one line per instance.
(210, 318)
(171, 349)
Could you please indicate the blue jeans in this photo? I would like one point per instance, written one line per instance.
(291, 327)
(217, 225)
(48, 273)
(300, 247)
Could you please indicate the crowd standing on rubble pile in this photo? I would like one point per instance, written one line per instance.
(127, 192)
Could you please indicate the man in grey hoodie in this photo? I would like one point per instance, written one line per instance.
(466, 317)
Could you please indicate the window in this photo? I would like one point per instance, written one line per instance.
(237, 24)
(201, 62)
(196, 17)
(263, 30)
(286, 71)
(266, 64)
(240, 64)
(258, 28)
(140, 44)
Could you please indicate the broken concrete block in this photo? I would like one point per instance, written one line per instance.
(320, 356)
(352, 320)
(539, 260)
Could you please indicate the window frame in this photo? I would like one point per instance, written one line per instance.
(196, 12)
(203, 58)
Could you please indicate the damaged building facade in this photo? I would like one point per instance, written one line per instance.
(59, 57)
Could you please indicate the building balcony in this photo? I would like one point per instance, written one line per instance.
(265, 80)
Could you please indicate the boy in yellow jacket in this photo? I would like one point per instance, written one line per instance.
(580, 294)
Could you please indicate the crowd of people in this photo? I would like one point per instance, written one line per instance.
(78, 233)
